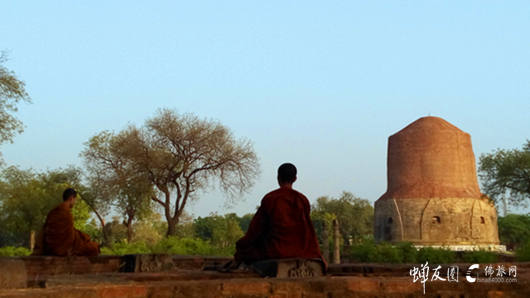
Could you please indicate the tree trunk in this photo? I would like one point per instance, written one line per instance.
(325, 241)
(32, 240)
(130, 232)
(101, 221)
(172, 227)
(336, 240)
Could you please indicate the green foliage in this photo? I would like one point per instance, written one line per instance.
(12, 91)
(244, 221)
(480, 256)
(116, 232)
(369, 252)
(123, 248)
(148, 230)
(170, 245)
(407, 251)
(10, 251)
(81, 214)
(173, 156)
(522, 253)
(93, 230)
(221, 231)
(513, 229)
(435, 255)
(364, 252)
(506, 171)
(387, 253)
(183, 246)
(115, 179)
(355, 216)
(26, 197)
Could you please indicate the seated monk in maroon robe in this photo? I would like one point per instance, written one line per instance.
(59, 237)
(281, 227)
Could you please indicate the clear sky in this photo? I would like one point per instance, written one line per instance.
(321, 84)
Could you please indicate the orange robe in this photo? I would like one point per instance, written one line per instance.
(280, 229)
(59, 237)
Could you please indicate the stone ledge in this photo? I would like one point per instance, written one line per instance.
(48, 265)
(13, 273)
(269, 288)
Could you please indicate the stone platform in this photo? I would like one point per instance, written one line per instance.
(345, 280)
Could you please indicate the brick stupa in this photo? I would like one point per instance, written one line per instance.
(433, 197)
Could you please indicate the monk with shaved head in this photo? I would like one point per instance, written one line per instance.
(282, 227)
(59, 237)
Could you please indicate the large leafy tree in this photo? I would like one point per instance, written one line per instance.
(116, 179)
(513, 230)
(355, 215)
(12, 91)
(244, 221)
(221, 231)
(182, 155)
(505, 172)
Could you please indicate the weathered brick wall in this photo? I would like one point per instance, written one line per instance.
(329, 287)
(40, 265)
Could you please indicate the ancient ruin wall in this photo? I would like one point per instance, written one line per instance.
(434, 221)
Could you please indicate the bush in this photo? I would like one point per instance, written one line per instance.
(522, 253)
(123, 248)
(435, 255)
(11, 251)
(480, 256)
(409, 253)
(183, 246)
(171, 245)
(364, 252)
(386, 253)
(369, 252)
(224, 251)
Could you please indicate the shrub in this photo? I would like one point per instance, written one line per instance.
(368, 251)
(480, 256)
(522, 253)
(363, 253)
(224, 251)
(409, 253)
(435, 255)
(11, 251)
(123, 248)
(183, 246)
(386, 253)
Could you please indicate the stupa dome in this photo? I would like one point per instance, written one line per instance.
(433, 197)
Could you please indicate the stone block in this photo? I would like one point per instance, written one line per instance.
(197, 289)
(74, 293)
(363, 285)
(114, 292)
(242, 287)
(291, 268)
(13, 274)
(148, 263)
(287, 287)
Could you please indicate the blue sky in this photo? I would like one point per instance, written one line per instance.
(322, 84)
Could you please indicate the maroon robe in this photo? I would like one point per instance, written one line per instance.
(280, 229)
(59, 237)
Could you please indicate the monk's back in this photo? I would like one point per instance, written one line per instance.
(291, 233)
(59, 231)
(59, 237)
